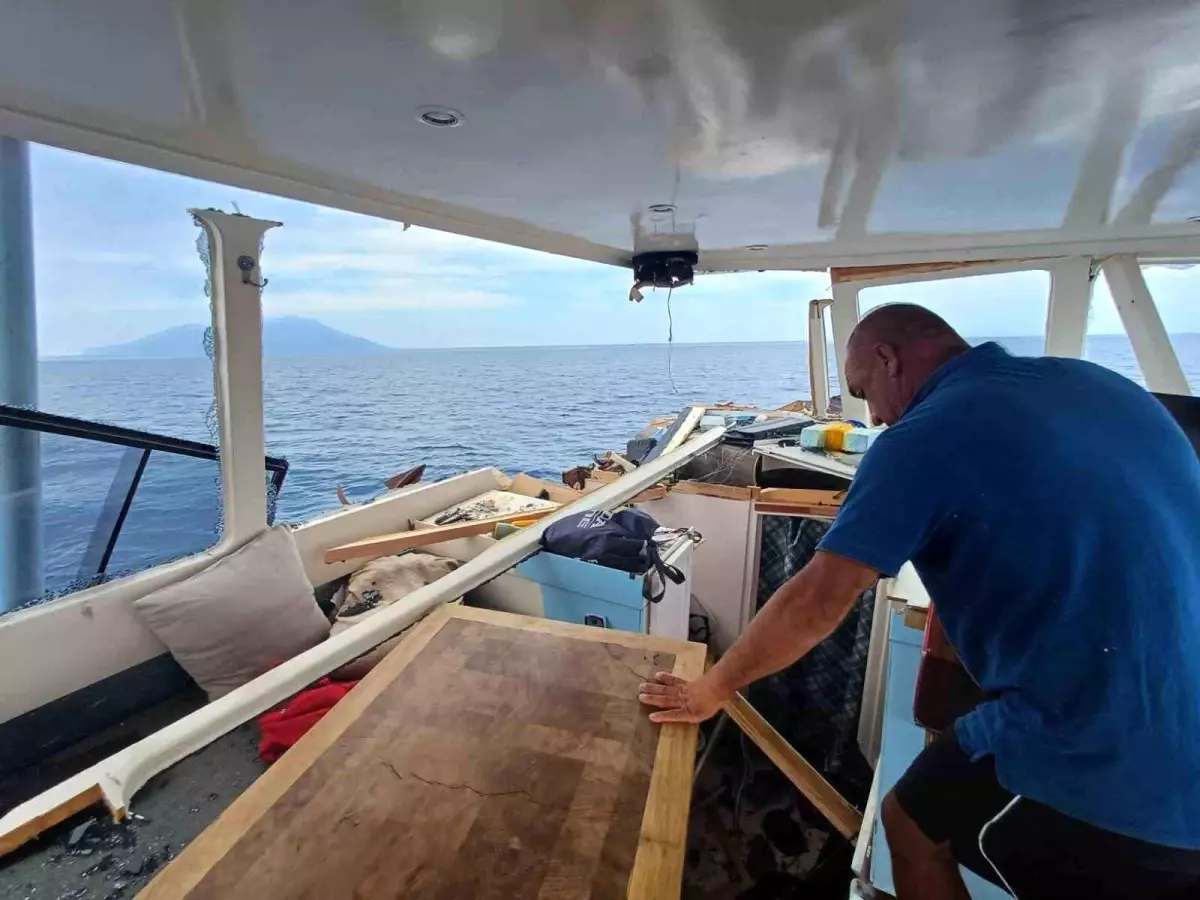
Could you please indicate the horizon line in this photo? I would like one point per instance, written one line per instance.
(84, 354)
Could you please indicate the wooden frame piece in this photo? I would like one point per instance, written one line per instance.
(658, 863)
(397, 542)
(721, 491)
(848, 274)
(799, 502)
(118, 777)
(820, 793)
(620, 461)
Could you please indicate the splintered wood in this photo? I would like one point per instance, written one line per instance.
(488, 756)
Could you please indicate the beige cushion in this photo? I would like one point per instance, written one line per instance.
(239, 617)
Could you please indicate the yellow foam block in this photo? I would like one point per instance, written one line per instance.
(825, 437)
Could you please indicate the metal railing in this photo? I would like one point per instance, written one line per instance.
(139, 445)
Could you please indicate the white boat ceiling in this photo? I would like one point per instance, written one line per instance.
(821, 131)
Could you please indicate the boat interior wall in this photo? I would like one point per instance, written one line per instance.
(70, 643)
(116, 779)
(35, 736)
(725, 572)
(93, 634)
(850, 133)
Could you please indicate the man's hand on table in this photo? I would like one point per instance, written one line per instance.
(683, 701)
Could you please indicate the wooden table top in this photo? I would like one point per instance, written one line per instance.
(488, 756)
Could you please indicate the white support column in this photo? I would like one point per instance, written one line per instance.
(20, 450)
(237, 358)
(845, 317)
(1070, 302)
(818, 359)
(1151, 344)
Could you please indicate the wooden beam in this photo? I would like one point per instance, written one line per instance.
(799, 502)
(621, 462)
(721, 491)
(388, 544)
(820, 793)
(792, 509)
(662, 844)
(847, 274)
(657, 492)
(802, 496)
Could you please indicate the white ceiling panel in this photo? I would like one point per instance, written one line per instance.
(843, 128)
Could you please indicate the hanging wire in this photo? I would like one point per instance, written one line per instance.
(670, 341)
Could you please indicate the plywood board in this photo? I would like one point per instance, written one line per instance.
(488, 756)
(488, 505)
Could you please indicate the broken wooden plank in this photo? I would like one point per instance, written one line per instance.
(535, 487)
(115, 779)
(404, 479)
(530, 763)
(793, 509)
(846, 274)
(657, 492)
(820, 793)
(801, 496)
(799, 502)
(619, 461)
(387, 544)
(721, 491)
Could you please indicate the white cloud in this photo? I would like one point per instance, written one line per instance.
(379, 297)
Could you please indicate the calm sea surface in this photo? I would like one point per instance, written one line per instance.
(356, 421)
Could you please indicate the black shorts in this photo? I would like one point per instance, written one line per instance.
(1027, 847)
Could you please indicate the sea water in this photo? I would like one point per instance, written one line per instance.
(355, 421)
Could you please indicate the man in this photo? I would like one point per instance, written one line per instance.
(1052, 509)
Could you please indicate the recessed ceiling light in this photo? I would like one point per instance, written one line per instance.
(440, 116)
(661, 207)
(757, 247)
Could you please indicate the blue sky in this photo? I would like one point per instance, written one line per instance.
(115, 260)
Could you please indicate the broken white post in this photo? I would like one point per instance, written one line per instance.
(818, 359)
(1070, 302)
(1151, 344)
(235, 280)
(845, 317)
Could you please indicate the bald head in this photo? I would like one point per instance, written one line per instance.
(891, 353)
(905, 325)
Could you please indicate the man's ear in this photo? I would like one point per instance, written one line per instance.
(889, 358)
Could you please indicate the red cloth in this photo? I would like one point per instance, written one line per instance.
(284, 726)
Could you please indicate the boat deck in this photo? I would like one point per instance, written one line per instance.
(89, 857)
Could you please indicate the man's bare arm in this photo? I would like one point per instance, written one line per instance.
(801, 614)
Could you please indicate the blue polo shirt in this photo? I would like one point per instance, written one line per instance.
(1052, 510)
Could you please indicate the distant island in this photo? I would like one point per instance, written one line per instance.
(283, 336)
